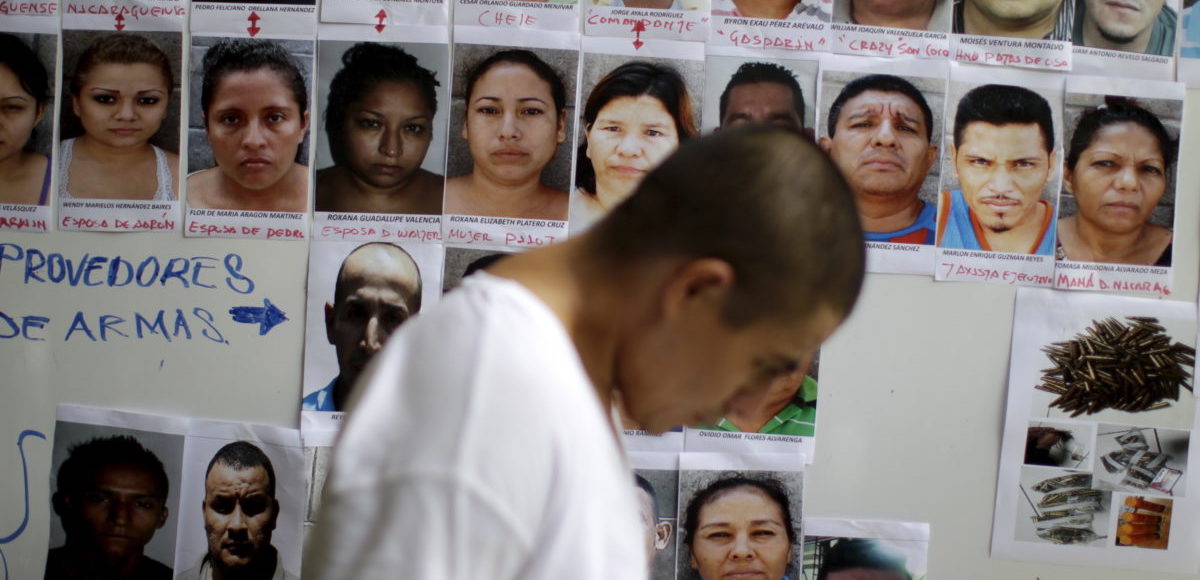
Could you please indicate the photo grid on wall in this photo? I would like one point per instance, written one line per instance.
(413, 143)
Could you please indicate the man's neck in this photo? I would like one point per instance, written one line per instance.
(261, 568)
(976, 22)
(888, 213)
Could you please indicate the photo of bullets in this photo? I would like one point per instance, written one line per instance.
(1066, 513)
(1128, 366)
(1063, 482)
(1141, 463)
(1144, 523)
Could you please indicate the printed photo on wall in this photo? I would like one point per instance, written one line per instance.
(1100, 406)
(248, 138)
(656, 477)
(1030, 34)
(742, 90)
(635, 111)
(724, 498)
(1062, 508)
(912, 28)
(846, 549)
(118, 159)
(358, 293)
(782, 420)
(108, 466)
(1117, 208)
(509, 156)
(997, 211)
(382, 144)
(1148, 460)
(881, 124)
(1128, 40)
(243, 503)
(27, 87)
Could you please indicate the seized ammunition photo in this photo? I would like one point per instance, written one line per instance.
(1127, 366)
(1065, 535)
(1063, 481)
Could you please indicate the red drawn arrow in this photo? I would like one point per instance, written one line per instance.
(254, 18)
(120, 25)
(381, 16)
(638, 28)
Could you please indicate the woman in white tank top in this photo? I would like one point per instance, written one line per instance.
(119, 91)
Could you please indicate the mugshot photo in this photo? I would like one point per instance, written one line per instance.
(381, 132)
(1146, 26)
(120, 121)
(931, 15)
(884, 133)
(1043, 19)
(248, 124)
(243, 506)
(1117, 203)
(657, 492)
(115, 502)
(634, 113)
(358, 294)
(740, 91)
(1002, 159)
(735, 522)
(846, 558)
(511, 115)
(27, 82)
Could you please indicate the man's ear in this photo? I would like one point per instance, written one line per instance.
(662, 535)
(162, 520)
(62, 502)
(1067, 185)
(825, 143)
(696, 283)
(329, 321)
(274, 515)
(930, 158)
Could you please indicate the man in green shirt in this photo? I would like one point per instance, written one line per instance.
(788, 408)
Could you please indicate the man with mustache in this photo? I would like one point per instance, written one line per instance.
(1003, 153)
(378, 288)
(881, 139)
(240, 512)
(1133, 25)
(112, 498)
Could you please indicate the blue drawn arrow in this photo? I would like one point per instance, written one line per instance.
(25, 481)
(266, 316)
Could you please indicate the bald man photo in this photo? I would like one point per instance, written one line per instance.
(378, 288)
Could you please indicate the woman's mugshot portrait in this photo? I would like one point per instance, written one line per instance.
(121, 126)
(25, 95)
(633, 118)
(254, 110)
(740, 526)
(379, 125)
(513, 125)
(1118, 170)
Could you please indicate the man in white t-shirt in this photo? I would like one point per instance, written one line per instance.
(481, 442)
